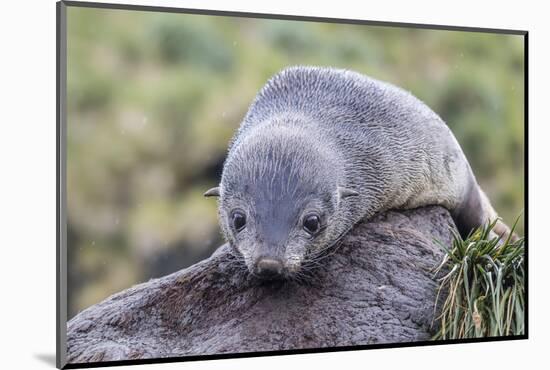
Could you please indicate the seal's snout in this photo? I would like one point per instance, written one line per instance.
(269, 268)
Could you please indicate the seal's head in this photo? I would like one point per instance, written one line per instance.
(280, 201)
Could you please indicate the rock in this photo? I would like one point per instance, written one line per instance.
(376, 287)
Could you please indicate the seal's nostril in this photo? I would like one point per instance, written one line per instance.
(269, 267)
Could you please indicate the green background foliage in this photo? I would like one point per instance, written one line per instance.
(153, 99)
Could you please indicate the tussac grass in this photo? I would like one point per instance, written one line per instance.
(485, 286)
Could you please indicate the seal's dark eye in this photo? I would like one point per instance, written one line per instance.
(239, 220)
(312, 223)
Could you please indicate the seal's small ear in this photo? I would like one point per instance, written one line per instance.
(346, 192)
(214, 192)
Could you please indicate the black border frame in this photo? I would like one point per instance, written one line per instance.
(61, 97)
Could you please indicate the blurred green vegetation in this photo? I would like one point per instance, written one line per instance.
(153, 99)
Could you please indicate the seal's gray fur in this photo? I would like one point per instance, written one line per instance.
(347, 146)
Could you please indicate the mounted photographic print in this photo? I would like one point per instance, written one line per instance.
(235, 184)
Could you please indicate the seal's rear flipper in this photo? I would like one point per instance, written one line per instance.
(475, 211)
(502, 230)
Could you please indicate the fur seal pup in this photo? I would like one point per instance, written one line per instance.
(321, 149)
